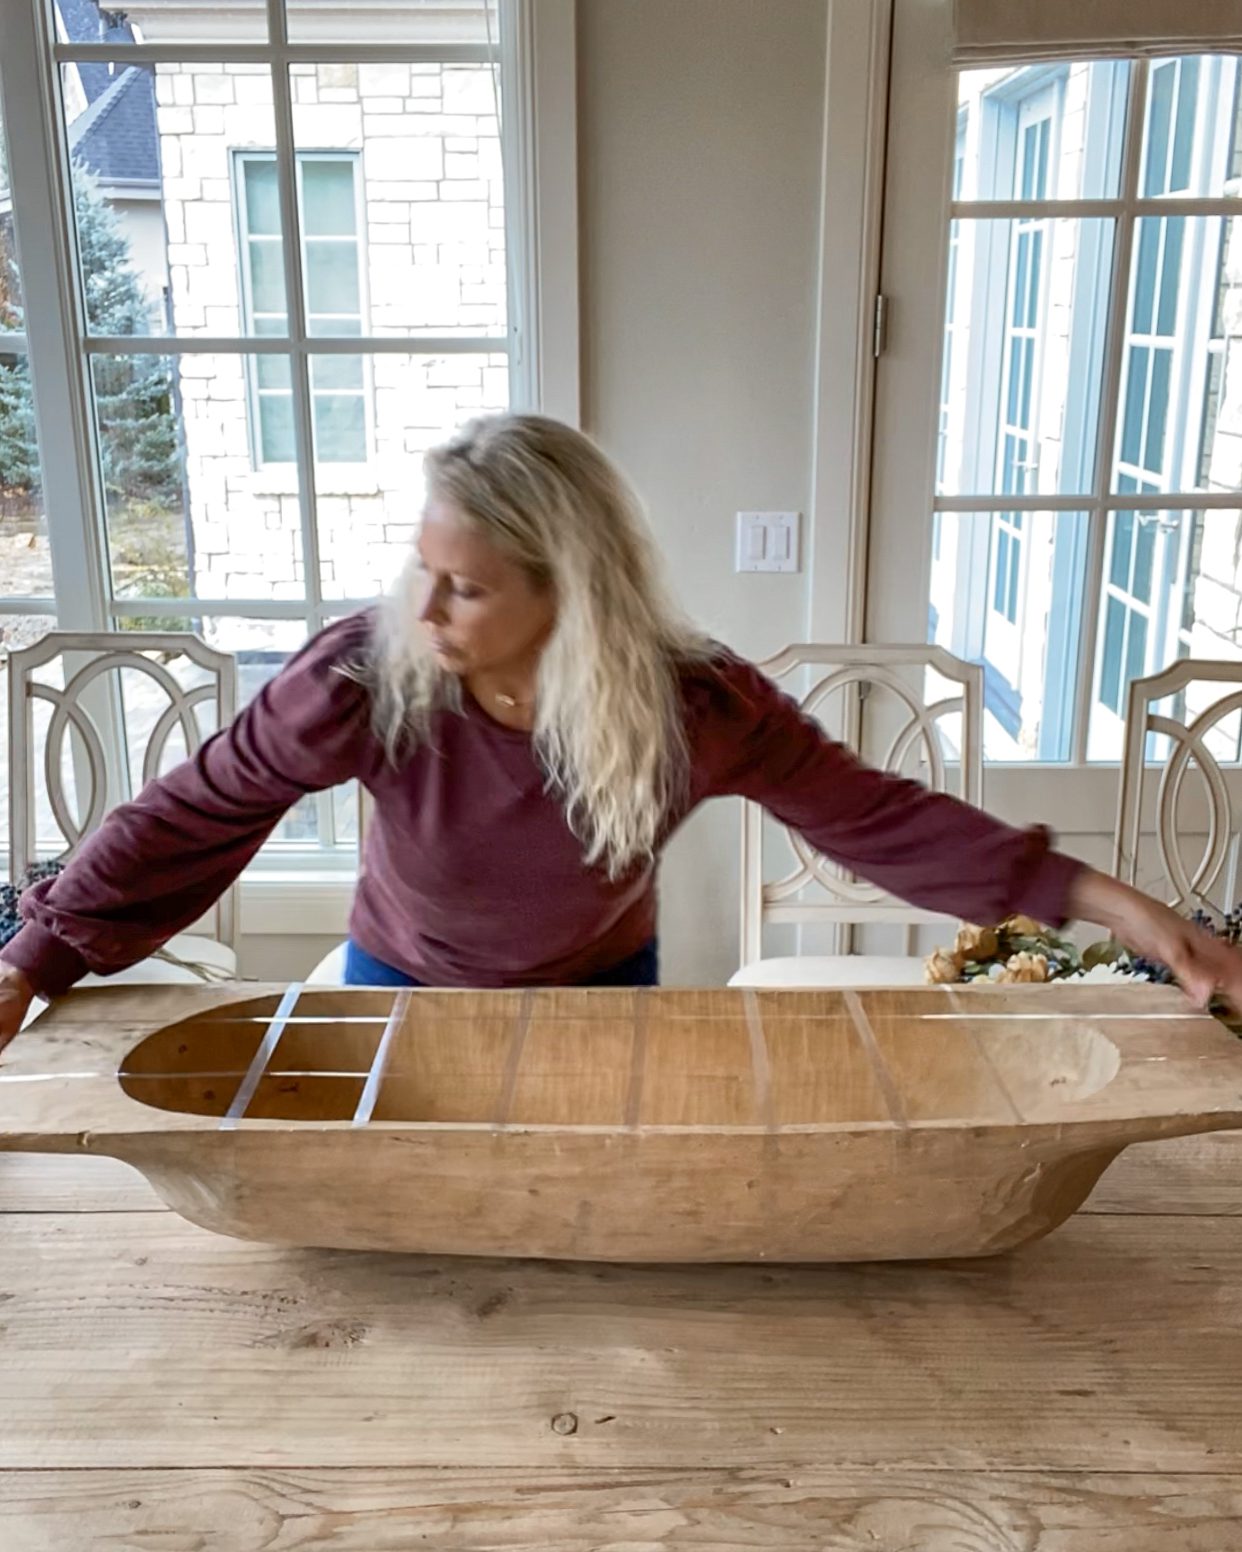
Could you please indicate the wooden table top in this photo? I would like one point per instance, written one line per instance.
(161, 1388)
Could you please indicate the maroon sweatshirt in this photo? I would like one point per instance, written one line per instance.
(470, 874)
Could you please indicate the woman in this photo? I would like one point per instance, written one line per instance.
(533, 720)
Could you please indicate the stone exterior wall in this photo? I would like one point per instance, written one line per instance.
(433, 258)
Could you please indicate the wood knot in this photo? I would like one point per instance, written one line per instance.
(565, 1423)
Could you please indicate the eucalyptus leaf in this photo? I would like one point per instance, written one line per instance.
(1107, 952)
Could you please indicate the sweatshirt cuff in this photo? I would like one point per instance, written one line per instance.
(1045, 892)
(49, 963)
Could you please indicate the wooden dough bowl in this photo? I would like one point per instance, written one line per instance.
(617, 1125)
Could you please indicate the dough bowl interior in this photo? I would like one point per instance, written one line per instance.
(616, 1060)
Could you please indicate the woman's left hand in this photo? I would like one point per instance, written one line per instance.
(1203, 966)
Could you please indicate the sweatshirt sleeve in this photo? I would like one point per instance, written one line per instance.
(157, 864)
(927, 848)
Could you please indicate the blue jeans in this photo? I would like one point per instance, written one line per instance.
(641, 969)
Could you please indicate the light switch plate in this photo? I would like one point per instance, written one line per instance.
(769, 541)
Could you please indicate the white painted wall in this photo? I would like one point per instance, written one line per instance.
(700, 144)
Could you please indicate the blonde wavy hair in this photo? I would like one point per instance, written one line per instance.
(609, 728)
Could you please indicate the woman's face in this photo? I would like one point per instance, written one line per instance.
(482, 612)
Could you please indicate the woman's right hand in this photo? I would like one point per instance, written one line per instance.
(16, 995)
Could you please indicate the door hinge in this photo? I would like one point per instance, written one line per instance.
(879, 329)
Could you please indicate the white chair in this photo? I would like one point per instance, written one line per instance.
(939, 742)
(1178, 723)
(330, 971)
(79, 675)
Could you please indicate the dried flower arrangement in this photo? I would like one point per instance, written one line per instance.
(1020, 949)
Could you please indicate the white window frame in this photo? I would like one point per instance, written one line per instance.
(922, 137)
(536, 58)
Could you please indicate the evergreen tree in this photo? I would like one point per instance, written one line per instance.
(133, 394)
(18, 470)
(18, 466)
(10, 312)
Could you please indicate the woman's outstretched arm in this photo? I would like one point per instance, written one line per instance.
(926, 847)
(157, 864)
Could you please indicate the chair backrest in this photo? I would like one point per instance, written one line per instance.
(111, 727)
(940, 741)
(1172, 730)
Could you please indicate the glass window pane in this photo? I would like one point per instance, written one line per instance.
(1026, 184)
(1032, 134)
(1122, 545)
(1001, 571)
(274, 326)
(1037, 379)
(332, 277)
(1134, 406)
(267, 286)
(1172, 237)
(12, 307)
(1136, 647)
(154, 152)
(1145, 276)
(1021, 284)
(262, 195)
(1110, 671)
(156, 21)
(1034, 280)
(1181, 599)
(329, 208)
(367, 516)
(1179, 426)
(1157, 411)
(188, 513)
(1187, 98)
(1145, 537)
(1160, 90)
(432, 232)
(273, 372)
(1009, 594)
(1194, 126)
(25, 556)
(276, 441)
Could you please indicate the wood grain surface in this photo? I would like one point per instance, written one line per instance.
(163, 1389)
